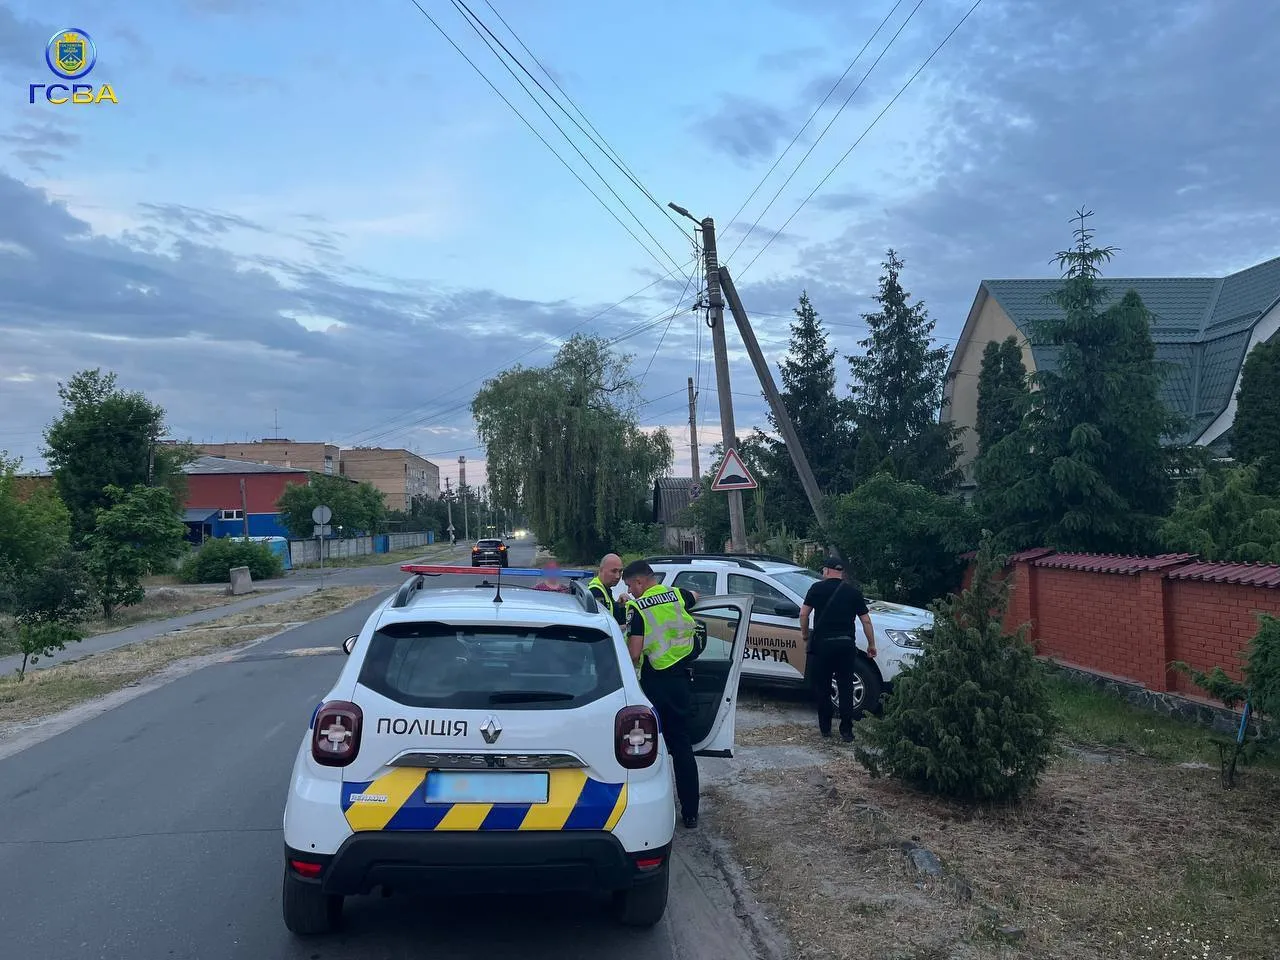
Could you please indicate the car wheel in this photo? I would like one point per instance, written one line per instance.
(866, 689)
(644, 904)
(308, 910)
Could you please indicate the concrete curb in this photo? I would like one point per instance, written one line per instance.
(768, 938)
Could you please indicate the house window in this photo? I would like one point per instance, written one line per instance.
(231, 514)
(328, 464)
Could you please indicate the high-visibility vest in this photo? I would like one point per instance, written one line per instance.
(669, 629)
(604, 595)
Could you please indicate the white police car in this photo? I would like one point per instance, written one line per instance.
(495, 741)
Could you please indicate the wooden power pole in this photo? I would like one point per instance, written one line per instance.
(788, 430)
(728, 432)
(693, 431)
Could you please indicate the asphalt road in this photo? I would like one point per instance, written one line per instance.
(152, 832)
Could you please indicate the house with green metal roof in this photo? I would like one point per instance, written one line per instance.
(1202, 328)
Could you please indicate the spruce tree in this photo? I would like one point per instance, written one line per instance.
(897, 388)
(1087, 470)
(1255, 435)
(1003, 393)
(971, 718)
(818, 415)
(1004, 397)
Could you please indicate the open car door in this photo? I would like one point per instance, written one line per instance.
(716, 669)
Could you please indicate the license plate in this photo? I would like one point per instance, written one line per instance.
(487, 787)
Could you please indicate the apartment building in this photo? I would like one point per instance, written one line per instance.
(399, 474)
(278, 451)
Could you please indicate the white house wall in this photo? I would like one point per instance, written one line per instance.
(1266, 328)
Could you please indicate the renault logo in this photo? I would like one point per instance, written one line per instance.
(491, 729)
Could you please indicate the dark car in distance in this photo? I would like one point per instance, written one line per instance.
(489, 553)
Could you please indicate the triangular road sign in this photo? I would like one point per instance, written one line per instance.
(733, 474)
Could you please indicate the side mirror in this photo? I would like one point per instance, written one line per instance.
(349, 644)
(786, 610)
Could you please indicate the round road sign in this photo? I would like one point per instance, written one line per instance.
(321, 515)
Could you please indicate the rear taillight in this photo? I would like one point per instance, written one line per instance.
(304, 869)
(648, 862)
(335, 737)
(636, 737)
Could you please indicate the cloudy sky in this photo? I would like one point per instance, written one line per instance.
(319, 212)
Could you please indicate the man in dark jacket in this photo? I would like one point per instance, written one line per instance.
(837, 606)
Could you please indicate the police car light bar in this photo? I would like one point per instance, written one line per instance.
(438, 570)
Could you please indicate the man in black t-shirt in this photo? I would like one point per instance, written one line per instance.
(836, 604)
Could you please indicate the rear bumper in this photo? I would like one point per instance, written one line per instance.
(511, 863)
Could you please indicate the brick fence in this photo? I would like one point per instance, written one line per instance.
(1129, 617)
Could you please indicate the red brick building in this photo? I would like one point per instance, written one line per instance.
(222, 493)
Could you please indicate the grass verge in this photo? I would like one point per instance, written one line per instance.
(46, 692)
(435, 551)
(1128, 849)
(160, 603)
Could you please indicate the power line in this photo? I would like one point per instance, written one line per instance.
(805, 127)
(535, 132)
(674, 312)
(834, 117)
(602, 144)
(437, 415)
(870, 127)
(381, 429)
(467, 15)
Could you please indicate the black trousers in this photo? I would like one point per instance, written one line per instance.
(835, 658)
(671, 691)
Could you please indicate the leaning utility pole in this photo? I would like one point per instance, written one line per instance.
(729, 436)
(693, 431)
(788, 430)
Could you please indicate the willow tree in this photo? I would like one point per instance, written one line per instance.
(563, 447)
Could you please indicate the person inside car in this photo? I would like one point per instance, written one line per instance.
(551, 579)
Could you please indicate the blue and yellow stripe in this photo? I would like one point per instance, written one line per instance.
(574, 802)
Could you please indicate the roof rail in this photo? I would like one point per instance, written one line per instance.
(741, 560)
(406, 590)
(585, 597)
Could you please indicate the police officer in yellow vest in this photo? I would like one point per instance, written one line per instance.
(661, 636)
(602, 584)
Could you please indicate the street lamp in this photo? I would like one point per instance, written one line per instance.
(684, 213)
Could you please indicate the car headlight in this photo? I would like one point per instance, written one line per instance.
(906, 638)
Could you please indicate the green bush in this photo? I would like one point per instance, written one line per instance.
(212, 563)
(1261, 690)
(971, 718)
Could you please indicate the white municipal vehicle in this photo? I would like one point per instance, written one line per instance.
(775, 652)
(495, 741)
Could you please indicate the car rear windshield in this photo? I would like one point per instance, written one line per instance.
(484, 668)
(488, 543)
